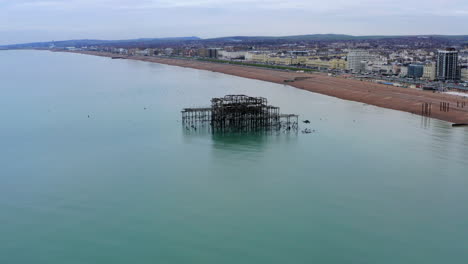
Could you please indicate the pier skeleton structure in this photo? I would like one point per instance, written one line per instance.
(239, 113)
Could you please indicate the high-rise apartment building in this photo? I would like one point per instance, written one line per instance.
(447, 68)
(355, 59)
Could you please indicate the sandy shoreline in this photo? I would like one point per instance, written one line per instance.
(397, 98)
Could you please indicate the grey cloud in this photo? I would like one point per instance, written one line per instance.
(117, 19)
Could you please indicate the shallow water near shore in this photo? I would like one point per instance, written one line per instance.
(129, 185)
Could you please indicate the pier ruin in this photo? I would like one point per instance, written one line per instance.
(239, 113)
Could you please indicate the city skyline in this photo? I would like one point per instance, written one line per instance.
(44, 20)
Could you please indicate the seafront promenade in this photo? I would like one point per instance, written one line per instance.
(403, 99)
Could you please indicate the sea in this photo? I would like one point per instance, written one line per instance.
(96, 167)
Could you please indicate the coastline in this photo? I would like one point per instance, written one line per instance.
(396, 98)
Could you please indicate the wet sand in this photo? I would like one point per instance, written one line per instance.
(397, 98)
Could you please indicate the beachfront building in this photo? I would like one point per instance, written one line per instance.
(269, 58)
(202, 52)
(355, 59)
(287, 59)
(232, 55)
(429, 71)
(378, 67)
(464, 74)
(299, 60)
(213, 53)
(403, 71)
(338, 64)
(121, 51)
(396, 67)
(168, 51)
(332, 64)
(415, 71)
(447, 65)
(259, 57)
(144, 52)
(318, 63)
(279, 60)
(132, 52)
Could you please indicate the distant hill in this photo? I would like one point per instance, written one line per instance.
(316, 37)
(145, 42)
(96, 42)
(332, 37)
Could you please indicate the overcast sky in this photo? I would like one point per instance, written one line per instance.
(45, 20)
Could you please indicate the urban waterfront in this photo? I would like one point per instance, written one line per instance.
(97, 168)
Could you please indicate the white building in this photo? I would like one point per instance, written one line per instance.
(403, 71)
(464, 74)
(355, 59)
(144, 52)
(229, 55)
(168, 51)
(429, 72)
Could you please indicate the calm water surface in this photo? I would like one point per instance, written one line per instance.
(129, 185)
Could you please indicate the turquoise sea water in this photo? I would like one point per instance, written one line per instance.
(129, 185)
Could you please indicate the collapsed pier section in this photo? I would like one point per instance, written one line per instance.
(239, 113)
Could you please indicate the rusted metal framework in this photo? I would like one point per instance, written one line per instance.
(239, 113)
